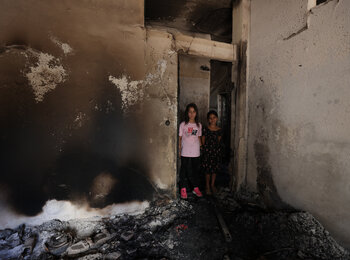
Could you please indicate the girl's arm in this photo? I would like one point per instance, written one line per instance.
(180, 147)
(202, 137)
(219, 137)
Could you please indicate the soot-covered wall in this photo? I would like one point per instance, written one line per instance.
(299, 144)
(74, 83)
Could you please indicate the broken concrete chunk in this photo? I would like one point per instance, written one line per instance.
(13, 240)
(80, 247)
(145, 244)
(101, 238)
(29, 244)
(113, 256)
(170, 244)
(131, 251)
(105, 247)
(127, 235)
(13, 253)
(91, 257)
(4, 234)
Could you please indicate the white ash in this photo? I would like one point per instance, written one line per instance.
(66, 210)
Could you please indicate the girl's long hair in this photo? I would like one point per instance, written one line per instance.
(187, 119)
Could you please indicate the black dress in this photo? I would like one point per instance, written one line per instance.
(211, 157)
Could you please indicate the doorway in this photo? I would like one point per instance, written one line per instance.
(207, 83)
(194, 85)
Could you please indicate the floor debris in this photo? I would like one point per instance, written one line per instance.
(176, 229)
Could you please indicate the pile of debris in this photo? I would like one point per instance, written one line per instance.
(115, 237)
(259, 233)
(175, 229)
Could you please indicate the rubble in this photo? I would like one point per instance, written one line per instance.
(176, 229)
(113, 256)
(276, 234)
(127, 235)
(114, 237)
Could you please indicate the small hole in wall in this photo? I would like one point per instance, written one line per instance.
(205, 68)
(318, 2)
(313, 3)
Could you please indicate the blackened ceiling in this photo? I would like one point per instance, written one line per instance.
(212, 17)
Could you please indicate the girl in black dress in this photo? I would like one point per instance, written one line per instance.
(211, 157)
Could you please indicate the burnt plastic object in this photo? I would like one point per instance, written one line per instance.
(58, 243)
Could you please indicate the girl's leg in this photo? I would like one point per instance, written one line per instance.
(193, 171)
(193, 175)
(207, 187)
(213, 176)
(183, 172)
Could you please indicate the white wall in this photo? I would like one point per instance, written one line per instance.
(299, 108)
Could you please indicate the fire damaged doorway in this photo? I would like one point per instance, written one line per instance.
(207, 83)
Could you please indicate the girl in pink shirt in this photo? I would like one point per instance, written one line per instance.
(190, 133)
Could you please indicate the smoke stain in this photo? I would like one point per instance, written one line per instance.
(265, 184)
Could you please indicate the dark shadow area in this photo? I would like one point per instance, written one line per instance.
(54, 149)
(196, 16)
(318, 2)
(221, 88)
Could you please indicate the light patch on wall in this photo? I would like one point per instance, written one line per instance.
(66, 210)
(64, 46)
(160, 184)
(132, 91)
(162, 64)
(288, 136)
(311, 4)
(45, 75)
(102, 185)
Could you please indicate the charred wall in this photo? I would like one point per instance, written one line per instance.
(74, 80)
(299, 108)
(196, 16)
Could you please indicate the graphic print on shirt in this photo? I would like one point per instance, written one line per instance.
(190, 142)
(191, 131)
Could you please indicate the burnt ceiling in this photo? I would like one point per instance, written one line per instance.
(212, 17)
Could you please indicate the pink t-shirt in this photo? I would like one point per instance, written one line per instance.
(190, 141)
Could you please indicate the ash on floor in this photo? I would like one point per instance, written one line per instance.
(174, 229)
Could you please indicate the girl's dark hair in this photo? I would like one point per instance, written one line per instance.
(194, 106)
(212, 112)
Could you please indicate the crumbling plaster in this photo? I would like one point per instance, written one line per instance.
(161, 107)
(299, 108)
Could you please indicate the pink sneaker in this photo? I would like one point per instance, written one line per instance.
(197, 192)
(183, 193)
